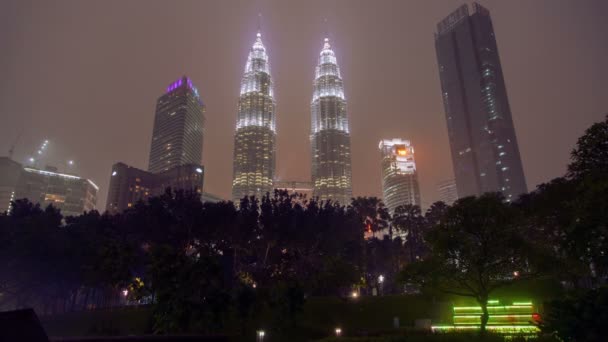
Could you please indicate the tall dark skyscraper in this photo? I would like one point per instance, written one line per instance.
(254, 140)
(330, 137)
(482, 138)
(177, 138)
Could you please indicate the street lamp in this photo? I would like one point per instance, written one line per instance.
(381, 279)
(338, 332)
(354, 294)
(261, 335)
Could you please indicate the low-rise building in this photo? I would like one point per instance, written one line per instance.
(72, 194)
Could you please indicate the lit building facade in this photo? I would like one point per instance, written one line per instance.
(175, 151)
(483, 144)
(447, 191)
(72, 194)
(129, 185)
(330, 137)
(255, 136)
(399, 175)
(177, 137)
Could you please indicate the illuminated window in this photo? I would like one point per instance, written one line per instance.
(54, 198)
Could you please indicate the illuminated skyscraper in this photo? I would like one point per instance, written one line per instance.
(175, 151)
(484, 148)
(177, 138)
(330, 137)
(399, 176)
(254, 140)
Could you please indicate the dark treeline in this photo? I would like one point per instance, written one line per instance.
(196, 263)
(193, 261)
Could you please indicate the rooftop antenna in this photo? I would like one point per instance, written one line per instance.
(259, 24)
(326, 28)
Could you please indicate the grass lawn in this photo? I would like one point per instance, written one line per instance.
(320, 317)
(362, 316)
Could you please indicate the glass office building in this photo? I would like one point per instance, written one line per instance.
(177, 137)
(482, 137)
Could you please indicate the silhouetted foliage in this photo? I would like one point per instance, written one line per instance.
(590, 156)
(478, 246)
(581, 317)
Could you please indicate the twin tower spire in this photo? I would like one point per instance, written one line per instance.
(255, 137)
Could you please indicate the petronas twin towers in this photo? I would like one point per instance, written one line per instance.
(255, 137)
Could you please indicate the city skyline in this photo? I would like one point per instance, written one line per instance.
(396, 116)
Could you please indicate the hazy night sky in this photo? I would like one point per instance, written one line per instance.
(87, 74)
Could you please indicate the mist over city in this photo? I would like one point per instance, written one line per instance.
(293, 170)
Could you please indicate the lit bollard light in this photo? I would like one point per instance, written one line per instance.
(261, 335)
(338, 332)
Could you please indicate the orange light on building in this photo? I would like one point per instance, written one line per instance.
(401, 152)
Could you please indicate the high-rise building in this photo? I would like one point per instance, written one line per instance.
(330, 137)
(175, 151)
(482, 138)
(447, 191)
(399, 175)
(254, 139)
(177, 138)
(72, 194)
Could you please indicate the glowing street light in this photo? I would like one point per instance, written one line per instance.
(354, 294)
(261, 335)
(70, 162)
(381, 279)
(125, 293)
(338, 332)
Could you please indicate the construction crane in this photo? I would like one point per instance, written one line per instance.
(11, 151)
